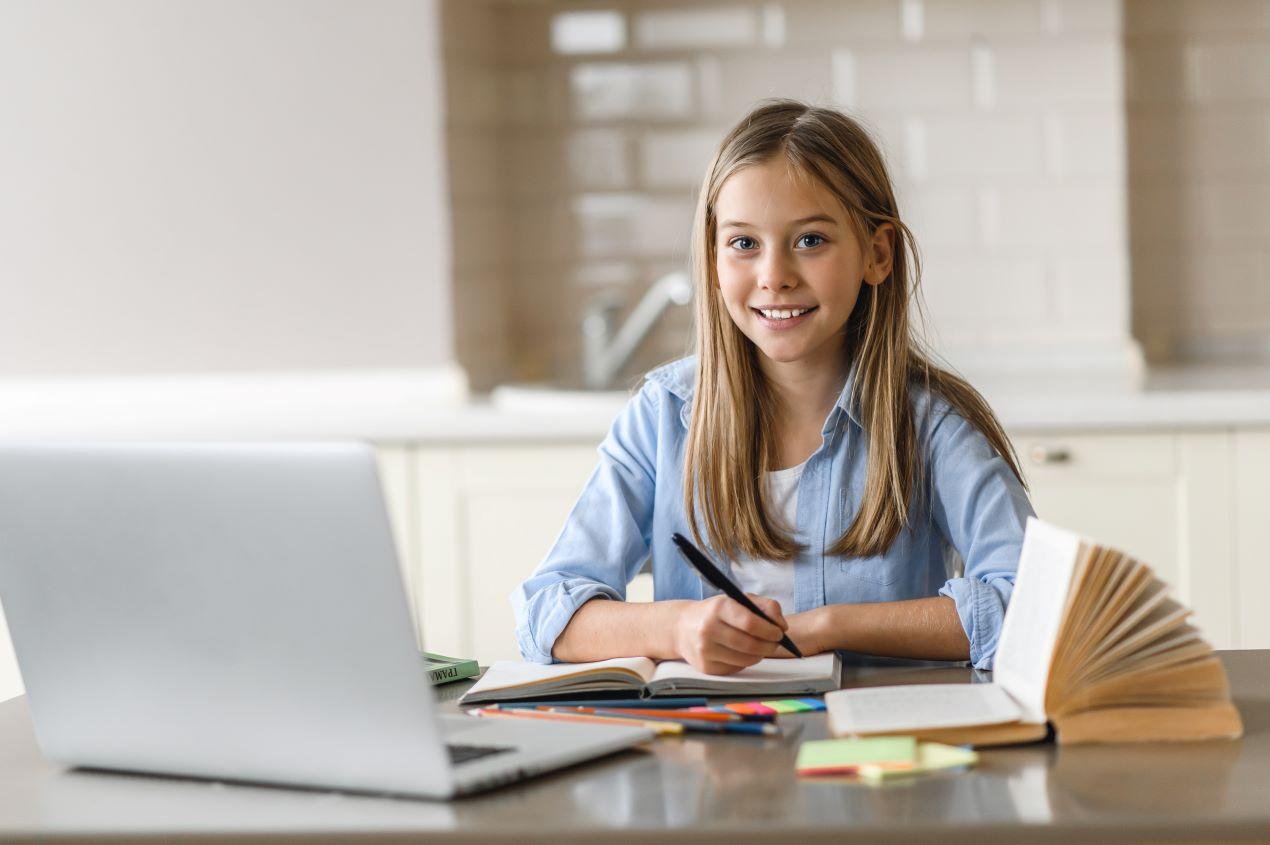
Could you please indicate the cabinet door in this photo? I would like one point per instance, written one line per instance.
(1163, 498)
(488, 516)
(1252, 519)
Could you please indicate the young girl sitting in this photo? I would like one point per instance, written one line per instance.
(810, 442)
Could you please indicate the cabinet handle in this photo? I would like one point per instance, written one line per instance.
(1045, 454)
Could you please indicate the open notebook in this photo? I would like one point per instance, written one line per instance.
(510, 680)
(1091, 643)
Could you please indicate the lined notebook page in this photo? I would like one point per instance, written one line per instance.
(919, 707)
(1034, 614)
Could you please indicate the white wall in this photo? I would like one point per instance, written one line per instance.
(221, 185)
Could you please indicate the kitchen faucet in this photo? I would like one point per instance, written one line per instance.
(604, 351)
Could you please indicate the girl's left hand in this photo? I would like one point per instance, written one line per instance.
(804, 630)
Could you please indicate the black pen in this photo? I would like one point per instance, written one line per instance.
(711, 573)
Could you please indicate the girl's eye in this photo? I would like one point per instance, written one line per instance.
(811, 241)
(742, 243)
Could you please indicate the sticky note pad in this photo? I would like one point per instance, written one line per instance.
(931, 756)
(846, 756)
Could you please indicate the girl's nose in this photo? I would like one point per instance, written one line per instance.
(775, 273)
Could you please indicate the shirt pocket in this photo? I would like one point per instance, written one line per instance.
(885, 569)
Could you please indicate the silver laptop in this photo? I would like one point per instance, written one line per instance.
(236, 612)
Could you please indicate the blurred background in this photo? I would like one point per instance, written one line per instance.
(304, 218)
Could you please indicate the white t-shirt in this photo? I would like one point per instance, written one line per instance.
(774, 579)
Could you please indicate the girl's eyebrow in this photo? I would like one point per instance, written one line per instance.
(815, 218)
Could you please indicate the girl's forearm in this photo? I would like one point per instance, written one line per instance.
(601, 629)
(920, 628)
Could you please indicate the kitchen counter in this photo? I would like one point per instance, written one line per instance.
(703, 789)
(433, 407)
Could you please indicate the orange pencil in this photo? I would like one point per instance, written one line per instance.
(660, 728)
(651, 714)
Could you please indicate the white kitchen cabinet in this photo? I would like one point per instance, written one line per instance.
(1164, 498)
(488, 515)
(1252, 519)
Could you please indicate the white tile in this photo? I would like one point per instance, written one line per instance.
(598, 159)
(992, 145)
(676, 158)
(1091, 292)
(908, 78)
(1085, 142)
(602, 274)
(745, 80)
(700, 27)
(965, 19)
(631, 225)
(630, 91)
(942, 217)
(590, 31)
(1062, 217)
(1081, 17)
(972, 293)
(835, 22)
(1073, 72)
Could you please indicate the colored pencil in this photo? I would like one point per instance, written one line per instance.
(693, 725)
(635, 713)
(661, 727)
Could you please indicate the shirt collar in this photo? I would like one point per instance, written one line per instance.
(680, 379)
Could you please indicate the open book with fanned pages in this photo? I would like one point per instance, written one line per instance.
(1091, 644)
(640, 677)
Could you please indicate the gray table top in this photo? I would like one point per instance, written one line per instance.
(704, 789)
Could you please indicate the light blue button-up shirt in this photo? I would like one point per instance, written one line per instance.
(972, 508)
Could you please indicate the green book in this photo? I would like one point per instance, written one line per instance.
(442, 669)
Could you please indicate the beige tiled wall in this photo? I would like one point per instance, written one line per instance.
(574, 167)
(1199, 173)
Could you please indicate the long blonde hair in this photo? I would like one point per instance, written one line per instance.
(730, 444)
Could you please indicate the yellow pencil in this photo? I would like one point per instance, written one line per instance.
(660, 728)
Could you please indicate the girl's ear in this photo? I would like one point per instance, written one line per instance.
(880, 255)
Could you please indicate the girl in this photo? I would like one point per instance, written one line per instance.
(810, 441)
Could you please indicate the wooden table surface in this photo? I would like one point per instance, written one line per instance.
(706, 788)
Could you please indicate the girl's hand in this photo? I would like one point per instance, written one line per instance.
(720, 637)
(805, 631)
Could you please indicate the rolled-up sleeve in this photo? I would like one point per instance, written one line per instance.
(982, 510)
(606, 537)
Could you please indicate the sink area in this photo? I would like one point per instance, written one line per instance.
(550, 398)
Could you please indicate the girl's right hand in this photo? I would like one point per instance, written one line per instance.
(720, 637)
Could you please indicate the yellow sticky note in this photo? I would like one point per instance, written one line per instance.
(846, 756)
(931, 756)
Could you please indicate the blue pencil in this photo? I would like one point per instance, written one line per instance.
(699, 726)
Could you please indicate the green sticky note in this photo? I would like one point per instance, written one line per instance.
(931, 756)
(790, 706)
(845, 756)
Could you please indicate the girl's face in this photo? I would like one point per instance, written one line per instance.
(789, 265)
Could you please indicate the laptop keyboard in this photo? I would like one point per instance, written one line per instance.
(468, 753)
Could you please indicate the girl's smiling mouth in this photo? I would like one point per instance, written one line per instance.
(783, 318)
